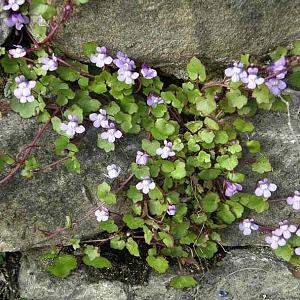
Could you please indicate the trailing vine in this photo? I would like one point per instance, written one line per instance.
(183, 185)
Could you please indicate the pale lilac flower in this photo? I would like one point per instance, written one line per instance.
(278, 67)
(153, 100)
(19, 51)
(297, 251)
(72, 127)
(113, 171)
(101, 58)
(111, 134)
(264, 188)
(171, 211)
(275, 240)
(166, 151)
(18, 20)
(294, 201)
(252, 80)
(141, 158)
(123, 62)
(247, 225)
(236, 73)
(99, 119)
(13, 5)
(49, 63)
(285, 229)
(127, 76)
(276, 86)
(146, 185)
(23, 89)
(232, 188)
(148, 72)
(102, 214)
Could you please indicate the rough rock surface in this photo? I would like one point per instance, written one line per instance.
(4, 30)
(168, 33)
(283, 149)
(248, 274)
(44, 201)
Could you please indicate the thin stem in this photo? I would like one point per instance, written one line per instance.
(55, 163)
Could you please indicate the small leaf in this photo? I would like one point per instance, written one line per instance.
(159, 263)
(183, 281)
(132, 247)
(243, 126)
(262, 165)
(99, 262)
(63, 265)
(210, 202)
(196, 69)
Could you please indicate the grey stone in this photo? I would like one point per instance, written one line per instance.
(282, 147)
(248, 274)
(167, 33)
(4, 30)
(43, 202)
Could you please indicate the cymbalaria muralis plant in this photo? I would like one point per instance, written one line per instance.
(183, 184)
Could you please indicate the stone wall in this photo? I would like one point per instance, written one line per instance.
(167, 33)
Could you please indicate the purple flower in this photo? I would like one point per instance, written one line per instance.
(123, 62)
(23, 89)
(141, 158)
(19, 51)
(236, 73)
(102, 214)
(247, 225)
(285, 229)
(99, 119)
(18, 20)
(278, 67)
(13, 5)
(297, 251)
(171, 211)
(147, 72)
(111, 134)
(294, 201)
(264, 188)
(72, 127)
(252, 80)
(153, 100)
(146, 185)
(275, 240)
(232, 188)
(166, 151)
(101, 58)
(127, 76)
(113, 171)
(49, 63)
(276, 86)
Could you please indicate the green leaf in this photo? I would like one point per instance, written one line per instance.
(167, 239)
(210, 202)
(211, 124)
(104, 194)
(117, 243)
(68, 74)
(156, 208)
(262, 165)
(209, 174)
(132, 247)
(105, 145)
(159, 263)
(236, 99)
(259, 204)
(225, 214)
(108, 226)
(228, 162)
(293, 79)
(206, 105)
(26, 110)
(285, 252)
(150, 146)
(253, 146)
(262, 94)
(206, 136)
(183, 281)
(133, 222)
(75, 243)
(134, 194)
(221, 137)
(243, 126)
(179, 171)
(180, 229)
(208, 250)
(99, 262)
(148, 235)
(91, 251)
(196, 69)
(296, 47)
(63, 265)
